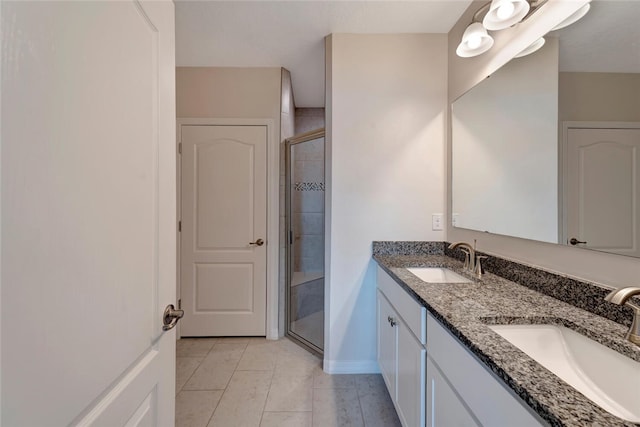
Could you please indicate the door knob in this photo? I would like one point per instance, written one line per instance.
(575, 241)
(258, 242)
(170, 317)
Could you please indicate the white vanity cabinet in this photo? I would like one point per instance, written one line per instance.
(401, 350)
(445, 386)
(462, 392)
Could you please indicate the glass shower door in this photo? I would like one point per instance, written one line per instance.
(305, 248)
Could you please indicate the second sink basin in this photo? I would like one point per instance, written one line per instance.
(603, 375)
(438, 275)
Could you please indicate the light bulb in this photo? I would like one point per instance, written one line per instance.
(505, 10)
(474, 41)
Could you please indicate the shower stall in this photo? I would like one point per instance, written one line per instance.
(305, 166)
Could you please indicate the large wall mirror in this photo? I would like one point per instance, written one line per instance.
(548, 147)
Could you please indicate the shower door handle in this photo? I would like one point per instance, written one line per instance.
(258, 242)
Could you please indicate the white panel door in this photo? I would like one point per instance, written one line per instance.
(603, 189)
(224, 211)
(88, 213)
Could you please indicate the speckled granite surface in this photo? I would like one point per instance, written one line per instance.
(408, 248)
(585, 295)
(467, 309)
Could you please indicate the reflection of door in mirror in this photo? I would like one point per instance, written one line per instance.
(602, 189)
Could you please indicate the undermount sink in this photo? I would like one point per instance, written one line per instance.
(438, 275)
(605, 376)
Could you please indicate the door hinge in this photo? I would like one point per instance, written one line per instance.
(180, 304)
(179, 226)
(180, 148)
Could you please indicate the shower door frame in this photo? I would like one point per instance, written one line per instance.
(289, 142)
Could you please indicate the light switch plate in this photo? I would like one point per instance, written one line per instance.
(437, 222)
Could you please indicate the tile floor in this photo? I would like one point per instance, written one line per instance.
(233, 382)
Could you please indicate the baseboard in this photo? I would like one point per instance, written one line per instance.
(351, 366)
(273, 334)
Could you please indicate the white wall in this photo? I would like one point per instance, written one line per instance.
(230, 94)
(287, 130)
(386, 117)
(612, 270)
(505, 168)
(600, 97)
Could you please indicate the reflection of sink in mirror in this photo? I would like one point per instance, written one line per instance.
(438, 275)
(608, 378)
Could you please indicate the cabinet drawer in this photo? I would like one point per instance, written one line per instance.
(485, 395)
(413, 314)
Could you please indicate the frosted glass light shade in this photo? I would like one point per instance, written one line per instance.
(578, 14)
(536, 45)
(475, 41)
(505, 13)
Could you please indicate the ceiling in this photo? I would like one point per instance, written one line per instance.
(290, 34)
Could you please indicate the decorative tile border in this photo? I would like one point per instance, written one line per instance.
(308, 186)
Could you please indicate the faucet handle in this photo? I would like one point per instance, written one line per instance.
(467, 258)
(478, 268)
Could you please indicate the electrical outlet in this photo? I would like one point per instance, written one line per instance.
(437, 222)
(454, 219)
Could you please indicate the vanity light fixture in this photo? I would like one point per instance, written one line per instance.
(475, 41)
(536, 45)
(495, 15)
(505, 13)
(500, 14)
(577, 15)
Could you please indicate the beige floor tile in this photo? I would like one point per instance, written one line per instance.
(336, 407)
(292, 348)
(185, 367)
(258, 340)
(369, 382)
(259, 357)
(286, 419)
(377, 407)
(274, 383)
(194, 408)
(297, 364)
(242, 340)
(290, 393)
(194, 347)
(243, 401)
(217, 368)
(324, 380)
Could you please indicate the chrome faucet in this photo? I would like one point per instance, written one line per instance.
(621, 297)
(470, 255)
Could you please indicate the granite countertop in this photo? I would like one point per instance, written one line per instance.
(467, 309)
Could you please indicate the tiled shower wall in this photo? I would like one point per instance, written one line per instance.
(302, 120)
(307, 206)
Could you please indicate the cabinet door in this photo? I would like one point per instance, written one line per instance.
(444, 408)
(411, 378)
(387, 344)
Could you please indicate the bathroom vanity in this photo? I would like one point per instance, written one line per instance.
(443, 364)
